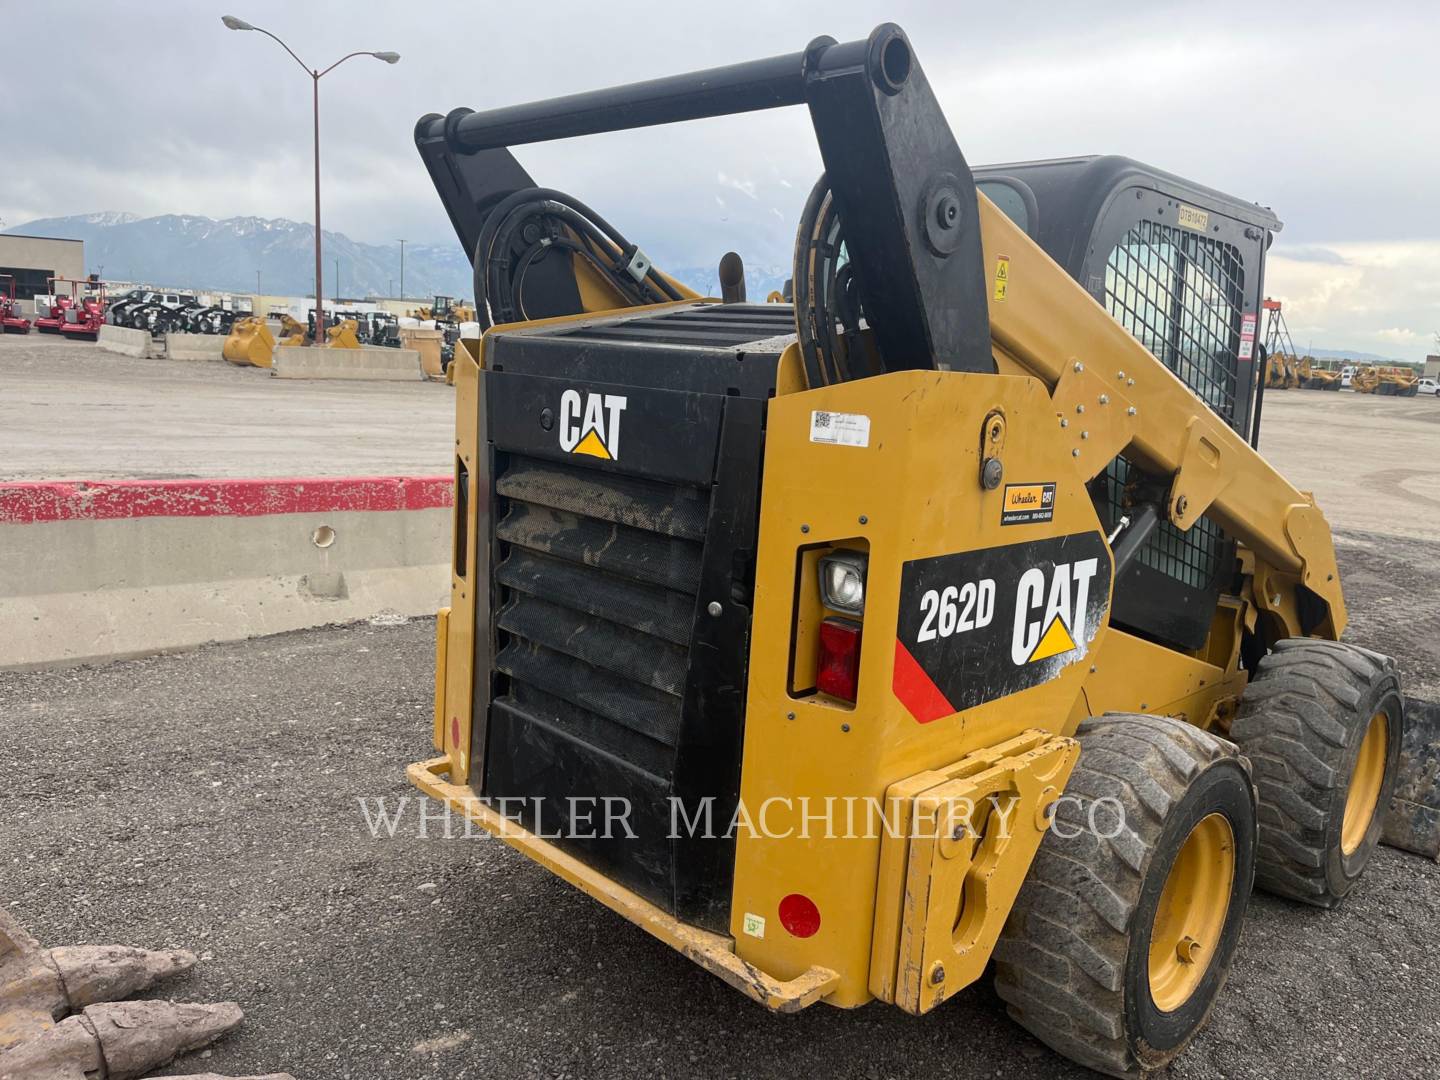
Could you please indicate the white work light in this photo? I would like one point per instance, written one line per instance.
(842, 581)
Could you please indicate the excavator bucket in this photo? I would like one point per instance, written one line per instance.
(292, 331)
(1413, 821)
(250, 342)
(345, 335)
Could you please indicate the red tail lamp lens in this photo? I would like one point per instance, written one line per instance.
(838, 672)
(799, 915)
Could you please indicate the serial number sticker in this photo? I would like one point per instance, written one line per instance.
(754, 925)
(840, 429)
(1191, 218)
(1027, 504)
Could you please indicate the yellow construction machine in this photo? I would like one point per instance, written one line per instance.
(445, 310)
(1320, 374)
(1386, 381)
(1286, 372)
(943, 617)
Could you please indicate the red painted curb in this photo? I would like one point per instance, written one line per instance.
(109, 500)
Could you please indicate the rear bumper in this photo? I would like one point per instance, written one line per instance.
(713, 952)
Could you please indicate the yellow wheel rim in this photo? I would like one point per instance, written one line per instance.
(1191, 915)
(1365, 784)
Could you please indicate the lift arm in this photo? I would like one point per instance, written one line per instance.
(921, 239)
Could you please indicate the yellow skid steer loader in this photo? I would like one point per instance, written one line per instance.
(943, 616)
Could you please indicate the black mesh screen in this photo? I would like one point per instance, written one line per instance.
(1193, 557)
(1180, 293)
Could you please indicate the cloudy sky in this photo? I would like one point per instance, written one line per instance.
(1327, 111)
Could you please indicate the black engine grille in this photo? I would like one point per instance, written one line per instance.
(597, 589)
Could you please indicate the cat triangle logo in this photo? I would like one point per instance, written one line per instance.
(592, 445)
(590, 425)
(1055, 641)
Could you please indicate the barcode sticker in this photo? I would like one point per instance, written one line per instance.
(840, 429)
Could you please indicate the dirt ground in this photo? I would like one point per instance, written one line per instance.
(210, 800)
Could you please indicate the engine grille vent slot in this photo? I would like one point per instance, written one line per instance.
(597, 578)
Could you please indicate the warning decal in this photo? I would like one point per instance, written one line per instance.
(1247, 336)
(981, 625)
(1002, 277)
(1026, 504)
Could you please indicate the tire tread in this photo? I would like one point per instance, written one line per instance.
(1060, 962)
(1294, 723)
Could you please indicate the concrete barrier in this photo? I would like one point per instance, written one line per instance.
(98, 571)
(427, 343)
(194, 346)
(125, 341)
(366, 362)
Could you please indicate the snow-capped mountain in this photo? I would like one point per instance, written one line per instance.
(201, 253)
(188, 250)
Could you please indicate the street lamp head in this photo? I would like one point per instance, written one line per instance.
(235, 24)
(388, 57)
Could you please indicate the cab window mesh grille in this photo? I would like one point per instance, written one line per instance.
(1192, 557)
(1180, 294)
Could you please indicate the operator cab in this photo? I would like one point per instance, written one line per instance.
(1181, 266)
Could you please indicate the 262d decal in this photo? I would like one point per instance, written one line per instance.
(979, 625)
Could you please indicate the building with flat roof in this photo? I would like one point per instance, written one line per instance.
(1432, 367)
(33, 260)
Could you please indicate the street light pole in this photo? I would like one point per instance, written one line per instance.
(319, 293)
(315, 75)
(402, 269)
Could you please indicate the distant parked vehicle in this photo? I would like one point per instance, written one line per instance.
(1428, 387)
(11, 321)
(163, 313)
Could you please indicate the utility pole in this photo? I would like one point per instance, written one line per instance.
(402, 269)
(337, 282)
(257, 283)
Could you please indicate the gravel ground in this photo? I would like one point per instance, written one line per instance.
(209, 800)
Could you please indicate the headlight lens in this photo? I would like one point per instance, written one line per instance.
(842, 581)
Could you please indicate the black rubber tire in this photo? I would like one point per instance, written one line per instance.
(1072, 963)
(1301, 722)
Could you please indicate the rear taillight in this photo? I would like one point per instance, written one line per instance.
(838, 670)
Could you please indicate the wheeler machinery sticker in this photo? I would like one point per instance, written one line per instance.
(1027, 504)
(980, 625)
(754, 925)
(840, 429)
(591, 424)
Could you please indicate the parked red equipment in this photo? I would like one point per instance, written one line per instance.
(83, 320)
(76, 315)
(54, 318)
(10, 320)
